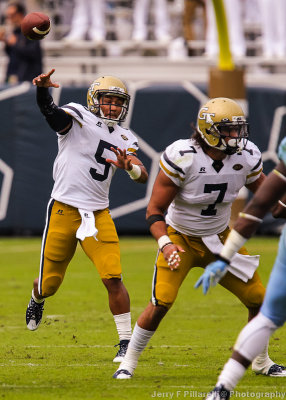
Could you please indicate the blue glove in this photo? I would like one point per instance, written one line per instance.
(212, 275)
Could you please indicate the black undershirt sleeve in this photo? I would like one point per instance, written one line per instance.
(57, 118)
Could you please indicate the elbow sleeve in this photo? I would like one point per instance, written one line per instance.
(57, 118)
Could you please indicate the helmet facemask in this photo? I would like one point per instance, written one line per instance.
(109, 120)
(104, 87)
(222, 131)
(216, 121)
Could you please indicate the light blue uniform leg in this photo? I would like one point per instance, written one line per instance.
(274, 304)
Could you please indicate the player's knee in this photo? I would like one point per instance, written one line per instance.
(55, 249)
(50, 285)
(113, 285)
(255, 295)
(111, 267)
(165, 295)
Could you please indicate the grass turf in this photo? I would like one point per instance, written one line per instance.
(70, 355)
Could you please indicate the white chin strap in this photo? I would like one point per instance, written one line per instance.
(108, 121)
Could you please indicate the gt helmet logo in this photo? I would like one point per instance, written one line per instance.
(206, 116)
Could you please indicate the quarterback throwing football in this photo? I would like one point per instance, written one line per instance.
(91, 146)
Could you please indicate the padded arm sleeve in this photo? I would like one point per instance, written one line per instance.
(57, 118)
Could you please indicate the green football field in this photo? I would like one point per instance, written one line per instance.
(70, 355)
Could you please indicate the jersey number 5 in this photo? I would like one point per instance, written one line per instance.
(219, 187)
(101, 160)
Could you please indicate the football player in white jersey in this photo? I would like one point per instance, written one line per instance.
(199, 179)
(91, 146)
(255, 335)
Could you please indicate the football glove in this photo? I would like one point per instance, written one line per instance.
(212, 275)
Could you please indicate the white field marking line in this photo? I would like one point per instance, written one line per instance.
(45, 365)
(4, 385)
(107, 346)
(37, 248)
(214, 316)
(20, 248)
(260, 388)
(7, 327)
(163, 389)
(79, 365)
(182, 365)
(69, 346)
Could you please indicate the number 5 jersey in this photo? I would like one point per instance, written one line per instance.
(208, 188)
(81, 174)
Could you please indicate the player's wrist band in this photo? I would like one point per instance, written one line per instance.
(233, 243)
(279, 174)
(165, 245)
(135, 172)
(154, 218)
(281, 203)
(164, 241)
(249, 216)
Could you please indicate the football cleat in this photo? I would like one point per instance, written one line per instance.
(122, 374)
(219, 393)
(34, 314)
(123, 345)
(277, 371)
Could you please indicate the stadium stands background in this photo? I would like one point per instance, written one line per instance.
(166, 94)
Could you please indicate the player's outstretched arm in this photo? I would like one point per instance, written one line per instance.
(44, 80)
(57, 118)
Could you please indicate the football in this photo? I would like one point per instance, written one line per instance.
(36, 25)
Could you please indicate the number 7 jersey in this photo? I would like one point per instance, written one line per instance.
(208, 188)
(81, 174)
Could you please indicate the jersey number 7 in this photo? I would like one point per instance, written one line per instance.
(221, 188)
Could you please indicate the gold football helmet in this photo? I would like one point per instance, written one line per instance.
(108, 86)
(217, 118)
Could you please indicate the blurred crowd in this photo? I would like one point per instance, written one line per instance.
(176, 25)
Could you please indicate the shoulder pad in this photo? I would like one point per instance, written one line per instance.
(176, 159)
(74, 109)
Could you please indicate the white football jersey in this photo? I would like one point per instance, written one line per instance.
(208, 188)
(81, 174)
